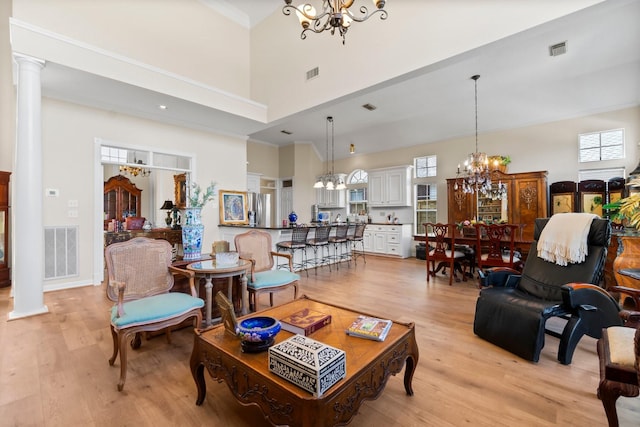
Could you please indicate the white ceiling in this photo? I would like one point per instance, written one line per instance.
(520, 85)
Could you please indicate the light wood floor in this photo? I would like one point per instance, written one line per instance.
(54, 369)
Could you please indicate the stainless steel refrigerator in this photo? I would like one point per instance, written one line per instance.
(261, 205)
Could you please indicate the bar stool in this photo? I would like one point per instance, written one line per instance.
(297, 243)
(357, 237)
(320, 241)
(339, 241)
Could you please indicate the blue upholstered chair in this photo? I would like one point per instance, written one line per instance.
(256, 246)
(139, 278)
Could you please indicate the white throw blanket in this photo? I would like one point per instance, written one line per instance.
(564, 239)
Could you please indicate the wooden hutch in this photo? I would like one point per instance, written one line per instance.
(121, 199)
(5, 276)
(526, 200)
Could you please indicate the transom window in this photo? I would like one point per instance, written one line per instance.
(359, 176)
(425, 166)
(597, 146)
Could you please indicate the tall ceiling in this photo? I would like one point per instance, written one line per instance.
(520, 85)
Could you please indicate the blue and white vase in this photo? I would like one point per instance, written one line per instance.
(192, 231)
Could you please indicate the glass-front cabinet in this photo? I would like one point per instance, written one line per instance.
(121, 199)
(5, 276)
(426, 206)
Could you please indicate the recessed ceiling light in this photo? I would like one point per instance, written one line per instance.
(162, 107)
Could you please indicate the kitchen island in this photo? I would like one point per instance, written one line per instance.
(379, 239)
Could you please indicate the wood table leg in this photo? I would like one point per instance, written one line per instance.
(245, 294)
(197, 371)
(209, 298)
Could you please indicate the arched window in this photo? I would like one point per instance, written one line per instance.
(357, 192)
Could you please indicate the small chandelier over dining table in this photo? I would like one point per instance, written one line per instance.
(329, 180)
(135, 170)
(335, 15)
(475, 177)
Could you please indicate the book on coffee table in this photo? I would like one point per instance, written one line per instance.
(305, 322)
(370, 327)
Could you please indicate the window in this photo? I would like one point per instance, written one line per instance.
(357, 192)
(425, 206)
(597, 146)
(603, 174)
(425, 166)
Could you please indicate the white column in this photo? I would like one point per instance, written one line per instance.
(28, 229)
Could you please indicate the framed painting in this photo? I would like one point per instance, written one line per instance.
(233, 207)
(180, 190)
(592, 203)
(227, 313)
(563, 203)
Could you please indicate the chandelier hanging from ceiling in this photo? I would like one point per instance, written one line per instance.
(329, 180)
(335, 15)
(475, 177)
(135, 170)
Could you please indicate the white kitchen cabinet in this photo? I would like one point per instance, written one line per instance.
(390, 186)
(331, 198)
(253, 182)
(388, 239)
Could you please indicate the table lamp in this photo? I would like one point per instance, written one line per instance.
(167, 206)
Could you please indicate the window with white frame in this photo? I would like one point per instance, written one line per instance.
(605, 145)
(357, 192)
(425, 166)
(425, 206)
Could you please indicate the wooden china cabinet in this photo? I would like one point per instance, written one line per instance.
(526, 200)
(5, 276)
(121, 199)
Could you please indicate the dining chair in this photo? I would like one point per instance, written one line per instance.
(495, 246)
(256, 246)
(440, 239)
(139, 279)
(619, 359)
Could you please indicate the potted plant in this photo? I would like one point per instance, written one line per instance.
(499, 163)
(625, 211)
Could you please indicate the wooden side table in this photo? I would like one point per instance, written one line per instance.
(210, 270)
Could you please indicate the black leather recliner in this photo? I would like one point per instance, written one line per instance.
(512, 312)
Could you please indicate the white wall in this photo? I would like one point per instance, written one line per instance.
(69, 132)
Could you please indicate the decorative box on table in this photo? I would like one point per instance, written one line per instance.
(309, 364)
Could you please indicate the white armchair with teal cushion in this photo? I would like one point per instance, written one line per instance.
(256, 246)
(139, 278)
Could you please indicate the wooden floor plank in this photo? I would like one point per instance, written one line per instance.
(54, 370)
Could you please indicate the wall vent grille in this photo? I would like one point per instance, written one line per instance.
(60, 252)
(313, 73)
(558, 49)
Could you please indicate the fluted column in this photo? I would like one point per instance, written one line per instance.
(28, 230)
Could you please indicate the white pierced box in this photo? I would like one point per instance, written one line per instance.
(309, 364)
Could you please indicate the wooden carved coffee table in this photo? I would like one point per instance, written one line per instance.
(369, 365)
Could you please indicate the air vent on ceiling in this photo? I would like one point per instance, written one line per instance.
(313, 73)
(286, 132)
(558, 49)
(369, 107)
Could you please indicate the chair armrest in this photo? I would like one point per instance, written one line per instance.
(630, 292)
(499, 276)
(288, 256)
(253, 265)
(121, 286)
(576, 295)
(189, 275)
(630, 318)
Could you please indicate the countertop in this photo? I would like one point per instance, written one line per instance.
(312, 225)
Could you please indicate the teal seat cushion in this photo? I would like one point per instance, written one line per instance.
(266, 279)
(155, 308)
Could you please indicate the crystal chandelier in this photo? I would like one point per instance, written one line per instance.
(329, 180)
(335, 15)
(475, 177)
(135, 170)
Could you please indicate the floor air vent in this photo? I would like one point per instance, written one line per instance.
(60, 252)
